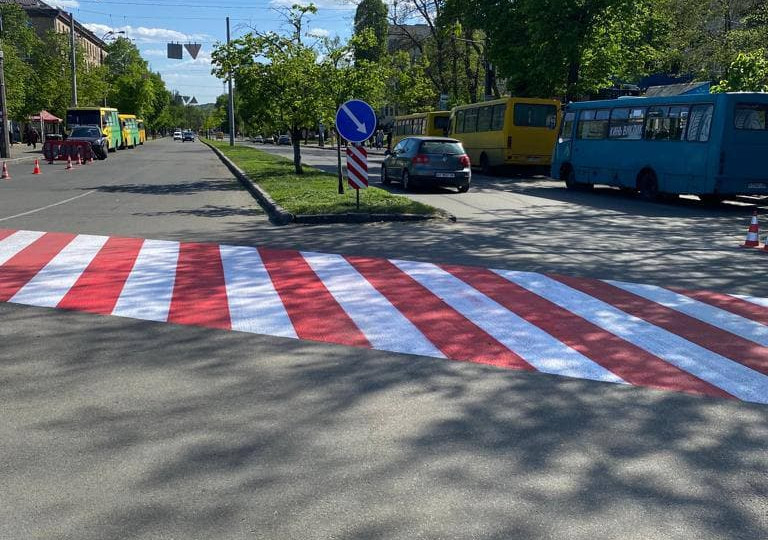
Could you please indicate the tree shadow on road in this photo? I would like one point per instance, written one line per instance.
(155, 428)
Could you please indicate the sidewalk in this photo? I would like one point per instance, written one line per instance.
(22, 152)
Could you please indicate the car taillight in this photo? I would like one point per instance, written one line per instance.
(420, 159)
(464, 161)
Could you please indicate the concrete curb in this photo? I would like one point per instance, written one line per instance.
(276, 214)
(279, 216)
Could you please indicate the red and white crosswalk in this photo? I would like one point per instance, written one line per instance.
(690, 341)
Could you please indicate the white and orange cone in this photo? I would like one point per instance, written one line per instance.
(6, 175)
(79, 159)
(752, 239)
(69, 162)
(36, 170)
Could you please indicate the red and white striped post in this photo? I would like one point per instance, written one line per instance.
(357, 169)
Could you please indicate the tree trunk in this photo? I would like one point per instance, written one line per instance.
(573, 80)
(296, 142)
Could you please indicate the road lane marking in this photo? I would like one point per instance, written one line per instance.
(147, 291)
(47, 207)
(254, 305)
(53, 282)
(386, 328)
(535, 346)
(734, 378)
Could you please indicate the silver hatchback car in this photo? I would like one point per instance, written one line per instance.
(435, 161)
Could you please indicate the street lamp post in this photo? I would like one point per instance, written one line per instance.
(110, 33)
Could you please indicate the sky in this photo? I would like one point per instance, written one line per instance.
(151, 25)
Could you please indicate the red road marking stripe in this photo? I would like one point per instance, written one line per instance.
(100, 285)
(314, 312)
(5, 233)
(23, 266)
(738, 306)
(628, 361)
(710, 337)
(199, 292)
(456, 336)
(357, 160)
(357, 173)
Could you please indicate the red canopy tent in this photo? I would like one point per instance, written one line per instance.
(44, 118)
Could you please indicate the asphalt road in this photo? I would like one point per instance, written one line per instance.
(117, 428)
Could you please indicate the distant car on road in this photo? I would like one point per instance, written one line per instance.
(188, 136)
(93, 135)
(177, 135)
(436, 161)
(284, 139)
(258, 139)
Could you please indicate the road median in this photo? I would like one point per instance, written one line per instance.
(313, 197)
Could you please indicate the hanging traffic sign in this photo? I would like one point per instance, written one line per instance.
(355, 120)
(357, 167)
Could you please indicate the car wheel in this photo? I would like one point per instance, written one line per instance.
(384, 178)
(463, 188)
(406, 181)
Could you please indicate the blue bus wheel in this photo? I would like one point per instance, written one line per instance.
(648, 186)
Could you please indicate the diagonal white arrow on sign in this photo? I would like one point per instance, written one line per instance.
(360, 125)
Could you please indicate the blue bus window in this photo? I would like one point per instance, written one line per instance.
(627, 123)
(566, 131)
(699, 123)
(751, 116)
(593, 124)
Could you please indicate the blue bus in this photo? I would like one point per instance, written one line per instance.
(710, 145)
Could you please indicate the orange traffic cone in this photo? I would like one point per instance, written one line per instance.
(79, 159)
(36, 170)
(6, 175)
(90, 158)
(69, 162)
(752, 238)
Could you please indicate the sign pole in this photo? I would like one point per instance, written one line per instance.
(357, 192)
(338, 155)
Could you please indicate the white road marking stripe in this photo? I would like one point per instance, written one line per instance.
(722, 372)
(254, 304)
(736, 324)
(754, 299)
(383, 325)
(50, 285)
(47, 207)
(535, 346)
(13, 244)
(148, 290)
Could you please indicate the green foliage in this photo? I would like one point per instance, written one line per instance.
(747, 73)
(19, 43)
(286, 85)
(371, 15)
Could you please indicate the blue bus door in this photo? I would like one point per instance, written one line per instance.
(564, 143)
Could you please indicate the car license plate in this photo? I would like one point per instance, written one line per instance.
(756, 185)
(445, 175)
(535, 159)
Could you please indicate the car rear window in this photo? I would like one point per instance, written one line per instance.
(441, 147)
(85, 132)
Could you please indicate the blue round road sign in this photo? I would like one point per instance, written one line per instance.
(356, 121)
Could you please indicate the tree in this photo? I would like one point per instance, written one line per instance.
(371, 15)
(285, 83)
(19, 42)
(747, 73)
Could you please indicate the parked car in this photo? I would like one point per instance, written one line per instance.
(258, 139)
(93, 135)
(177, 135)
(435, 161)
(284, 139)
(188, 136)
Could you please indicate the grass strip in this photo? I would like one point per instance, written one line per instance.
(315, 192)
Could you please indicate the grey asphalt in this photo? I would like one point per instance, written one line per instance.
(116, 428)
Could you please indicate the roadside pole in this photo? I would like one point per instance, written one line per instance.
(5, 141)
(74, 58)
(338, 156)
(231, 101)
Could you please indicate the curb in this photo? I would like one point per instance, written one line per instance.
(276, 214)
(279, 216)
